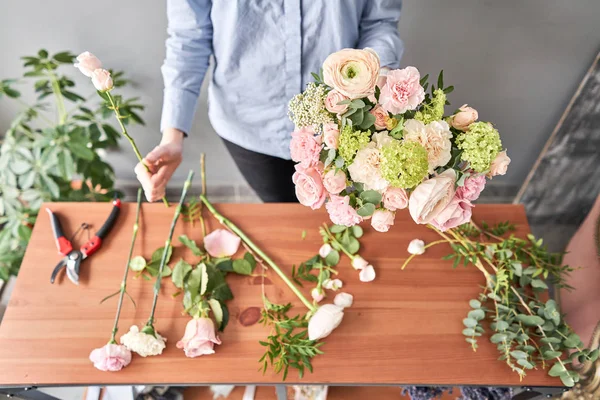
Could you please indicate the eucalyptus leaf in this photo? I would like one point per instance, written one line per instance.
(366, 210)
(371, 196)
(333, 258)
(530, 320)
(357, 231)
(469, 322)
(337, 228)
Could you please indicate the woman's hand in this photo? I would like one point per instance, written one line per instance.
(162, 162)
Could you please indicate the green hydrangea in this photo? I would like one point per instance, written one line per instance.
(480, 145)
(433, 111)
(351, 141)
(308, 107)
(404, 164)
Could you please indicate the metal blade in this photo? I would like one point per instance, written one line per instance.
(62, 263)
(72, 272)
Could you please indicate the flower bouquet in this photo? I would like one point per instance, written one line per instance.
(369, 142)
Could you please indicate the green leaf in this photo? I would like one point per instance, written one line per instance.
(242, 267)
(371, 196)
(468, 332)
(539, 284)
(251, 260)
(225, 265)
(498, 337)
(190, 244)
(80, 150)
(518, 268)
(193, 282)
(366, 210)
(64, 57)
(353, 245)
(157, 255)
(337, 228)
(367, 122)
(518, 354)
(572, 341)
(215, 306)
(525, 363)
(137, 263)
(357, 231)
(477, 315)
(204, 278)
(330, 157)
(167, 271)
(225, 316)
(475, 303)
(440, 82)
(42, 53)
(357, 103)
(501, 325)
(557, 370)
(333, 258)
(530, 320)
(567, 380)
(550, 339)
(470, 322)
(550, 354)
(222, 292)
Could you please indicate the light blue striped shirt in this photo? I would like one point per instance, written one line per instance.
(264, 52)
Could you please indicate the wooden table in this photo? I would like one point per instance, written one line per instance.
(404, 327)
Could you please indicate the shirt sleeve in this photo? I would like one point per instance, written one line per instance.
(379, 30)
(188, 50)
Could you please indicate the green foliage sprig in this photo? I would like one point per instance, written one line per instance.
(40, 155)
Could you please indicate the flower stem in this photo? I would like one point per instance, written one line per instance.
(428, 245)
(334, 240)
(245, 239)
(60, 101)
(163, 260)
(126, 134)
(124, 281)
(203, 192)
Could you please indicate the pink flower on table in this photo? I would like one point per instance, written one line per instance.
(472, 188)
(335, 181)
(199, 338)
(102, 80)
(87, 63)
(341, 212)
(395, 198)
(402, 91)
(332, 102)
(221, 243)
(456, 213)
(305, 147)
(331, 135)
(382, 220)
(110, 357)
(381, 117)
(309, 186)
(500, 164)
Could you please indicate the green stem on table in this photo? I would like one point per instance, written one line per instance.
(126, 134)
(163, 260)
(428, 245)
(333, 239)
(124, 281)
(257, 250)
(60, 101)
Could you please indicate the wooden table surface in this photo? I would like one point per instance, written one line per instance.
(404, 327)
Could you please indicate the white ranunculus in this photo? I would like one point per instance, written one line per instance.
(365, 169)
(343, 300)
(324, 321)
(143, 343)
(435, 137)
(416, 247)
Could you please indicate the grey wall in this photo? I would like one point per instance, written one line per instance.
(518, 62)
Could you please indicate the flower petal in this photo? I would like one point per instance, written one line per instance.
(367, 274)
(221, 243)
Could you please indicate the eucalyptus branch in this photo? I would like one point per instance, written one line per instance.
(115, 108)
(124, 281)
(163, 261)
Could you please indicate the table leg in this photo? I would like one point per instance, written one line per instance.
(27, 393)
(281, 391)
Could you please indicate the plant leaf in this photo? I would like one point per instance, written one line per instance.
(204, 278)
(190, 244)
(180, 273)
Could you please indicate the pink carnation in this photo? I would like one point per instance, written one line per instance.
(456, 213)
(472, 188)
(305, 147)
(309, 186)
(341, 212)
(402, 91)
(110, 357)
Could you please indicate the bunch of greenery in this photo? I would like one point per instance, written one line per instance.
(42, 154)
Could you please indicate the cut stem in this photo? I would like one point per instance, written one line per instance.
(60, 101)
(257, 250)
(163, 260)
(126, 134)
(124, 281)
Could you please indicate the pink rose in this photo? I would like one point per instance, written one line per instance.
(221, 243)
(332, 102)
(199, 338)
(456, 213)
(352, 72)
(472, 188)
(402, 91)
(464, 117)
(110, 357)
(309, 187)
(102, 80)
(331, 134)
(305, 147)
(334, 181)
(500, 164)
(381, 117)
(341, 212)
(395, 198)
(87, 63)
(382, 220)
(431, 197)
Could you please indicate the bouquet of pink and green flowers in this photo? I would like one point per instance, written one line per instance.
(370, 141)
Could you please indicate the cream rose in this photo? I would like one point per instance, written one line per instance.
(435, 137)
(332, 102)
(365, 169)
(382, 220)
(87, 63)
(324, 321)
(102, 80)
(334, 181)
(395, 199)
(500, 164)
(331, 135)
(464, 117)
(351, 72)
(431, 197)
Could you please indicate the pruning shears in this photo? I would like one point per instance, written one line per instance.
(73, 258)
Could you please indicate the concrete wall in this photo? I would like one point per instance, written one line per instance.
(518, 62)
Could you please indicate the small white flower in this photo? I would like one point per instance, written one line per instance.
(359, 263)
(416, 247)
(325, 250)
(343, 300)
(332, 284)
(367, 274)
(317, 294)
(143, 343)
(326, 319)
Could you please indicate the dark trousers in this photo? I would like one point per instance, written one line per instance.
(270, 177)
